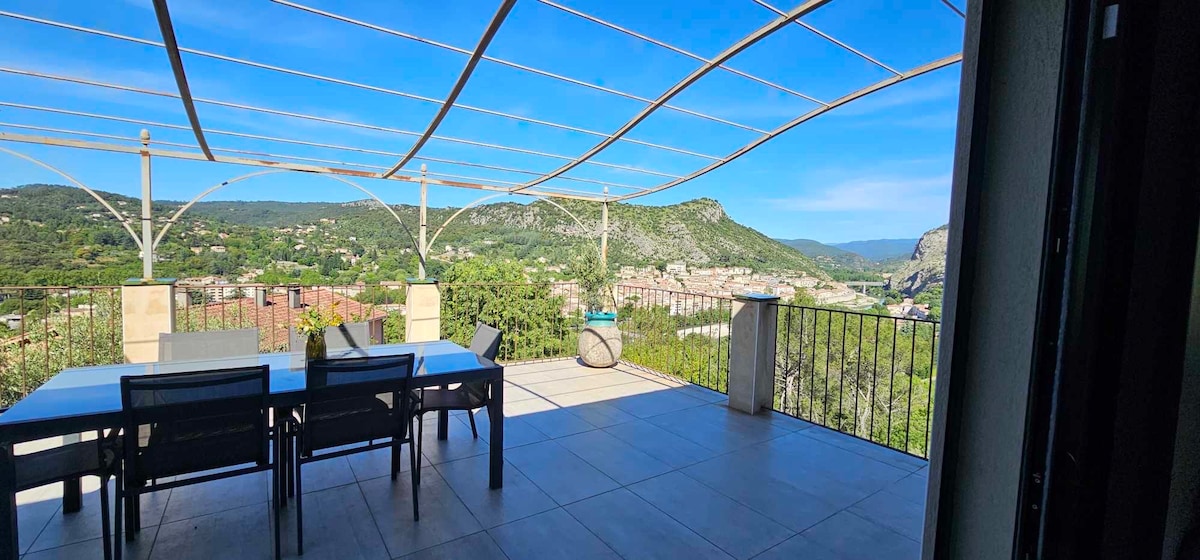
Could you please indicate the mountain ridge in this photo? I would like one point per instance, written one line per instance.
(59, 234)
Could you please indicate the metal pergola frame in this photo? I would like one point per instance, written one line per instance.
(535, 186)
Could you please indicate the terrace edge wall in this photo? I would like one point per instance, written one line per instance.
(752, 352)
(422, 313)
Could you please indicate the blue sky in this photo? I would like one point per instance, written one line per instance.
(876, 168)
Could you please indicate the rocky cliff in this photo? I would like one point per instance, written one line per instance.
(926, 267)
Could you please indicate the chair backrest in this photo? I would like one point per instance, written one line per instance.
(343, 378)
(486, 341)
(348, 335)
(180, 423)
(207, 345)
(338, 392)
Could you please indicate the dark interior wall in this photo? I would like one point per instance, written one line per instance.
(998, 212)
(1183, 510)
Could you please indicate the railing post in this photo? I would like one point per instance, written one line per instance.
(752, 352)
(147, 309)
(422, 311)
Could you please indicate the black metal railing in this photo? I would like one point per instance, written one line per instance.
(272, 309)
(682, 334)
(865, 375)
(44, 330)
(540, 321)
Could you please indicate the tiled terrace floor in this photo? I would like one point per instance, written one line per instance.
(613, 463)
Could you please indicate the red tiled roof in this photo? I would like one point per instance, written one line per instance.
(274, 318)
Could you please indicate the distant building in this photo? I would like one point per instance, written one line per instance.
(676, 268)
(217, 248)
(12, 321)
(273, 313)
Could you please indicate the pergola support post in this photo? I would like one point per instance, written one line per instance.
(604, 231)
(422, 246)
(147, 212)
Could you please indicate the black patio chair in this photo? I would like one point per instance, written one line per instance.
(57, 464)
(193, 423)
(347, 335)
(351, 401)
(467, 397)
(206, 345)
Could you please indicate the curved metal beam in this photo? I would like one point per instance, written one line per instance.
(678, 50)
(954, 8)
(743, 44)
(124, 221)
(830, 38)
(223, 184)
(185, 93)
(923, 69)
(368, 87)
(488, 34)
(511, 64)
(118, 87)
(469, 205)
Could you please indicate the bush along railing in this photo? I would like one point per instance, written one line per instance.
(273, 308)
(44, 330)
(540, 321)
(866, 375)
(681, 334)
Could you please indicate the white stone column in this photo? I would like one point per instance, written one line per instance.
(147, 310)
(423, 311)
(752, 352)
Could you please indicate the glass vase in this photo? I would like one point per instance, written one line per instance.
(315, 348)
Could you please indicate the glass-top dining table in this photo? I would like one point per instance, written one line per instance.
(87, 399)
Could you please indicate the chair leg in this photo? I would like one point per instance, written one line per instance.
(395, 457)
(415, 473)
(276, 486)
(474, 432)
(105, 523)
(118, 521)
(420, 438)
(299, 503)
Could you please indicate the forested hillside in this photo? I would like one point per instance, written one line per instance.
(59, 235)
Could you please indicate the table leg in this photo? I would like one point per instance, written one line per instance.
(8, 510)
(72, 500)
(496, 441)
(443, 420)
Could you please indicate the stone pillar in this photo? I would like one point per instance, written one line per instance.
(752, 352)
(147, 309)
(423, 311)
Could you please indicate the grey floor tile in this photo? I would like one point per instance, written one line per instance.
(559, 473)
(243, 532)
(329, 473)
(737, 529)
(517, 431)
(337, 524)
(619, 460)
(799, 458)
(601, 415)
(476, 547)
(799, 547)
(635, 529)
(459, 442)
(602, 378)
(866, 448)
(558, 423)
(94, 549)
(35, 508)
(550, 535)
(443, 516)
(86, 523)
(665, 446)
(656, 399)
(785, 504)
(720, 428)
(378, 462)
(912, 488)
(893, 512)
(855, 538)
(557, 371)
(218, 495)
(518, 499)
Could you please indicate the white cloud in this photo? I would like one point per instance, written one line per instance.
(869, 194)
